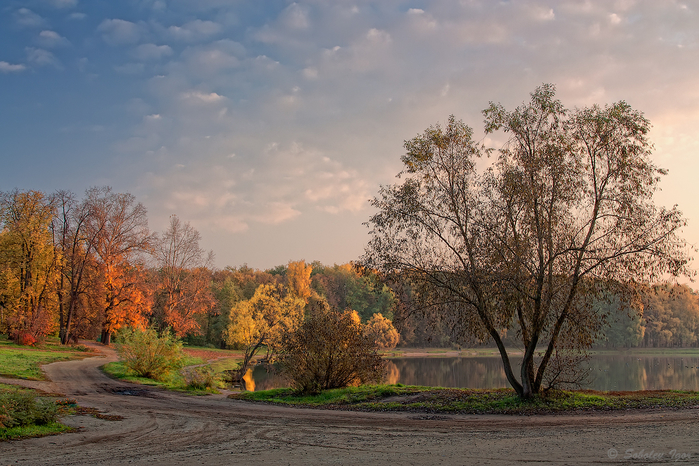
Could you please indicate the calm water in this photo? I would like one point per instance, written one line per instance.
(617, 372)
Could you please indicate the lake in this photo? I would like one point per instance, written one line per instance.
(607, 372)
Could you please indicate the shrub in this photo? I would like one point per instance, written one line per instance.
(330, 350)
(22, 408)
(148, 354)
(26, 339)
(199, 378)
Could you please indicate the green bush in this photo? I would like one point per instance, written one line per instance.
(148, 354)
(22, 408)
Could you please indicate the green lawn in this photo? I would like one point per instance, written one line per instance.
(468, 401)
(25, 362)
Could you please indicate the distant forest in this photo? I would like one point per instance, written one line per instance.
(84, 268)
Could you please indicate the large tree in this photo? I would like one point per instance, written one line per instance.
(524, 244)
(75, 239)
(184, 280)
(121, 237)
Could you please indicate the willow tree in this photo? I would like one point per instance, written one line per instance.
(524, 243)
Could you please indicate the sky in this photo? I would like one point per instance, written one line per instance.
(268, 124)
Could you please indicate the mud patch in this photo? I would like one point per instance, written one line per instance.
(128, 391)
(94, 412)
(429, 417)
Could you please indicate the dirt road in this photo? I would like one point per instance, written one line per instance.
(163, 428)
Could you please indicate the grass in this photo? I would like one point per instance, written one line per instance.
(23, 362)
(219, 361)
(468, 401)
(10, 392)
(17, 433)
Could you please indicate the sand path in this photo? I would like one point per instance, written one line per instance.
(165, 428)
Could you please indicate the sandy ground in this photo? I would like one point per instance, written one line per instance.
(163, 428)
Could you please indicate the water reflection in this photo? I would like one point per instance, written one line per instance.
(608, 372)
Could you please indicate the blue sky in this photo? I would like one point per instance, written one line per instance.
(269, 124)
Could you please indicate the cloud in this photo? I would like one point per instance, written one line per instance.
(119, 32)
(146, 52)
(213, 58)
(51, 39)
(26, 17)
(41, 57)
(11, 68)
(201, 97)
(77, 16)
(194, 30)
(295, 17)
(316, 98)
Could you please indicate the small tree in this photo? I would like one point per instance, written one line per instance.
(148, 354)
(382, 331)
(263, 320)
(330, 350)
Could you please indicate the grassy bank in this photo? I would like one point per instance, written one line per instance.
(24, 362)
(24, 413)
(216, 362)
(467, 401)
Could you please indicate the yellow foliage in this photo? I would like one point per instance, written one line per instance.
(298, 276)
(382, 331)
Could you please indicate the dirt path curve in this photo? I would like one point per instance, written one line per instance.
(164, 428)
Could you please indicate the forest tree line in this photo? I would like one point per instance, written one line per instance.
(82, 268)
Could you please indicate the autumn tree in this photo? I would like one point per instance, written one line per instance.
(76, 241)
(120, 227)
(28, 264)
(344, 287)
(524, 244)
(298, 276)
(183, 278)
(382, 332)
(262, 321)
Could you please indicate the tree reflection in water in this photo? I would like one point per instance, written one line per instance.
(609, 372)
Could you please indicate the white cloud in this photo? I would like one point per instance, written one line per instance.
(213, 58)
(274, 213)
(146, 52)
(194, 30)
(77, 16)
(295, 17)
(119, 32)
(42, 57)
(6, 67)
(26, 17)
(51, 39)
(614, 18)
(198, 96)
